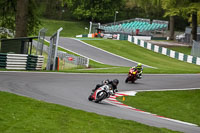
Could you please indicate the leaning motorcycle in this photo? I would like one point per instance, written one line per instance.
(132, 76)
(100, 94)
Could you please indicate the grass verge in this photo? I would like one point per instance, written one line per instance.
(134, 52)
(21, 115)
(70, 28)
(179, 105)
(185, 50)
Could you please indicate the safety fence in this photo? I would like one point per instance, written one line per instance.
(67, 61)
(140, 40)
(21, 61)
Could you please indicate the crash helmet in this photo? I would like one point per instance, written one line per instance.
(115, 82)
(139, 64)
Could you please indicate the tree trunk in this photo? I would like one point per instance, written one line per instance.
(171, 36)
(22, 18)
(194, 26)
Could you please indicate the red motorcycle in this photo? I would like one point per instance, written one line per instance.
(132, 75)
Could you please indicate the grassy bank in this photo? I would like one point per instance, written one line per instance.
(128, 50)
(185, 50)
(179, 105)
(70, 28)
(134, 52)
(21, 115)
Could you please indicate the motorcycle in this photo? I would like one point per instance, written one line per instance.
(132, 76)
(101, 93)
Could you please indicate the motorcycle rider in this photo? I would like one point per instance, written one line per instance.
(112, 84)
(104, 82)
(139, 68)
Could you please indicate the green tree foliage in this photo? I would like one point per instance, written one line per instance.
(151, 8)
(191, 9)
(8, 15)
(94, 10)
(53, 9)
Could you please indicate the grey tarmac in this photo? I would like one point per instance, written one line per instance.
(94, 53)
(72, 90)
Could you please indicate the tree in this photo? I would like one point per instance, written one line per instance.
(21, 18)
(152, 8)
(184, 8)
(97, 10)
(189, 9)
(56, 9)
(195, 6)
(172, 8)
(19, 15)
(7, 11)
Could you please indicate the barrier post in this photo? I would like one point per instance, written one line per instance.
(58, 61)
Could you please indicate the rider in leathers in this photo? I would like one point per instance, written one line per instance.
(113, 84)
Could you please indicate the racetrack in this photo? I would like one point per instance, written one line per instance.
(73, 90)
(94, 53)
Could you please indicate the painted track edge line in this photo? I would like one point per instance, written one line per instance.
(170, 89)
(76, 53)
(113, 53)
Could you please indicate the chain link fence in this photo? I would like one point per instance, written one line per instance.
(67, 61)
(41, 37)
(71, 61)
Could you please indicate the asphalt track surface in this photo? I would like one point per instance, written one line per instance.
(94, 53)
(72, 90)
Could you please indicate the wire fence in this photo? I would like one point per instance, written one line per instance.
(67, 61)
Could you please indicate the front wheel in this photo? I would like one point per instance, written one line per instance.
(100, 97)
(126, 81)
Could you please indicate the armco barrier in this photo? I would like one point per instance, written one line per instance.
(21, 61)
(158, 49)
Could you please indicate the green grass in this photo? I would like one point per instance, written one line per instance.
(125, 49)
(185, 50)
(70, 28)
(137, 53)
(180, 105)
(25, 115)
(128, 50)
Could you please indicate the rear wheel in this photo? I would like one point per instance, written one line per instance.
(90, 98)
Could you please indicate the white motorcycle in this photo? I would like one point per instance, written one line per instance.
(101, 93)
